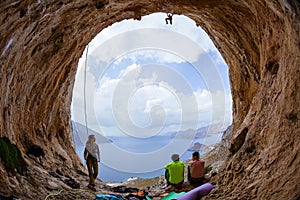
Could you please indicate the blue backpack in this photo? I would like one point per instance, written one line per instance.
(108, 197)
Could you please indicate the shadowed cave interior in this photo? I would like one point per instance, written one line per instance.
(42, 41)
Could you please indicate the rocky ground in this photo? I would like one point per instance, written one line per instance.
(56, 184)
(42, 41)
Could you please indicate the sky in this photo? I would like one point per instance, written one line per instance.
(148, 78)
(148, 66)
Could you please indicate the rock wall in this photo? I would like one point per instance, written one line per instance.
(41, 42)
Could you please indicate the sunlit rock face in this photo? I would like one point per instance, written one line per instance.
(42, 41)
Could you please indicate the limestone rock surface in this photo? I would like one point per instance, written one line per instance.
(42, 41)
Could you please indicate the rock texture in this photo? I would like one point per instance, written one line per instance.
(218, 153)
(40, 45)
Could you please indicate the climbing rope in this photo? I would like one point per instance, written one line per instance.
(74, 191)
(84, 90)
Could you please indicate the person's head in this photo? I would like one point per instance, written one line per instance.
(175, 157)
(196, 155)
(92, 138)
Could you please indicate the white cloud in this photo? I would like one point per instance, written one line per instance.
(164, 45)
(134, 101)
(157, 55)
(130, 68)
(181, 24)
(150, 103)
(81, 106)
(123, 95)
(182, 41)
(149, 96)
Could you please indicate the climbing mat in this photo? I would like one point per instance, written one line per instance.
(197, 193)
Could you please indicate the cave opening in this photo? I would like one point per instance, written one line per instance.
(42, 41)
(141, 86)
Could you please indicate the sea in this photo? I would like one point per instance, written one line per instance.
(142, 146)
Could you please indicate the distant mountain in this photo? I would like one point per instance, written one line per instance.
(79, 129)
(199, 133)
(198, 146)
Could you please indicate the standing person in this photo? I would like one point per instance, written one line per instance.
(196, 169)
(174, 173)
(92, 157)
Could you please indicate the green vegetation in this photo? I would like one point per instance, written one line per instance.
(11, 156)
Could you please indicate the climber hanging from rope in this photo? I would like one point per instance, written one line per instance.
(170, 16)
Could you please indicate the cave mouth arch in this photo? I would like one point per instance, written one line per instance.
(42, 41)
(190, 70)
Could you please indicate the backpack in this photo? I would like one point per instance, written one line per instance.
(108, 197)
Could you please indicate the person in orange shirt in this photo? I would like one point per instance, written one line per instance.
(196, 169)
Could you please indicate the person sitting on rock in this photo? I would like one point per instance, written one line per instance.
(174, 173)
(92, 157)
(196, 169)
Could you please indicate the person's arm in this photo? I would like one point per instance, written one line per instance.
(166, 166)
(183, 170)
(85, 154)
(98, 153)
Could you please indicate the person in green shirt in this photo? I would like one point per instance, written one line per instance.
(174, 173)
